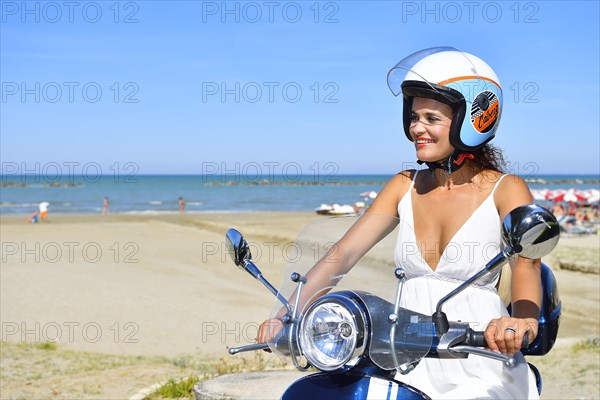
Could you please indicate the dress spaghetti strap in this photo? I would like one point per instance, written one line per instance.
(412, 184)
(497, 183)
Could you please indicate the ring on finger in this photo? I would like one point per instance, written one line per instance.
(509, 329)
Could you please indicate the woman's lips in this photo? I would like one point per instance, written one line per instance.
(424, 142)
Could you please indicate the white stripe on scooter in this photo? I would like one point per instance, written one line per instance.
(380, 389)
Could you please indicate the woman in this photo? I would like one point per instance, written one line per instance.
(451, 109)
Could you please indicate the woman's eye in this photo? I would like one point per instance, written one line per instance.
(433, 119)
(414, 118)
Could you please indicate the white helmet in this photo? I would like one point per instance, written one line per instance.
(462, 81)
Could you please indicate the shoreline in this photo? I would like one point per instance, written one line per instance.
(150, 213)
(145, 215)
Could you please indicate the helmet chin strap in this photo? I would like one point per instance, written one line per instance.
(450, 164)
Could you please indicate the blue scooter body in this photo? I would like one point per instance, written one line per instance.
(367, 381)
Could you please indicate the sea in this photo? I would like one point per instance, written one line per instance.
(146, 194)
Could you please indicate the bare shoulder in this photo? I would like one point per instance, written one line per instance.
(510, 193)
(512, 185)
(403, 178)
(399, 182)
(388, 198)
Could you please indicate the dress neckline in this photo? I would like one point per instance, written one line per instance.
(458, 231)
(452, 239)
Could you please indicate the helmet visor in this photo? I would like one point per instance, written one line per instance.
(440, 79)
(398, 73)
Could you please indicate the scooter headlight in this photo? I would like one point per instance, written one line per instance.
(332, 334)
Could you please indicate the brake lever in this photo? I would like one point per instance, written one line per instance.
(463, 349)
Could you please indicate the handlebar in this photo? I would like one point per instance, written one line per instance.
(281, 343)
(250, 347)
(474, 343)
(477, 339)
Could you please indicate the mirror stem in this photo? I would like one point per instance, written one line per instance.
(255, 272)
(439, 317)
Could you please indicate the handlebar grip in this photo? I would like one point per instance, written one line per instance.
(476, 338)
(251, 347)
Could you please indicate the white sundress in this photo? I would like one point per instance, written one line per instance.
(473, 245)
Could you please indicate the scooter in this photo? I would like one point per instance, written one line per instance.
(360, 340)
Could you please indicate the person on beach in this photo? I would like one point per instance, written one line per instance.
(105, 205)
(452, 103)
(33, 218)
(43, 208)
(558, 211)
(181, 205)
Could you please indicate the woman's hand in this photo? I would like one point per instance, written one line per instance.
(505, 335)
(268, 330)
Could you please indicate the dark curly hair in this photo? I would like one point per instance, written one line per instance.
(488, 157)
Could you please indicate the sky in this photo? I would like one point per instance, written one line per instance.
(192, 87)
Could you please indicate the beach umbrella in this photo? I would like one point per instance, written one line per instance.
(570, 196)
(581, 195)
(552, 194)
(541, 194)
(594, 199)
(594, 196)
(555, 193)
(369, 195)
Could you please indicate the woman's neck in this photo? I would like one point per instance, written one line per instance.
(440, 178)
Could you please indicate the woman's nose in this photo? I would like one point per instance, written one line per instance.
(417, 126)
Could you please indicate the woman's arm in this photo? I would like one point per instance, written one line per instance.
(526, 285)
(379, 220)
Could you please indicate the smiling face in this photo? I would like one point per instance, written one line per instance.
(430, 129)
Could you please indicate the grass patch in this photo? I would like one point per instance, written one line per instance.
(46, 346)
(257, 362)
(176, 389)
(228, 365)
(591, 343)
(49, 370)
(183, 388)
(33, 361)
(182, 362)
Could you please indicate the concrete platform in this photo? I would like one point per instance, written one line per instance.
(248, 385)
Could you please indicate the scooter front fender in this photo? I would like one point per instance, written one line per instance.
(350, 386)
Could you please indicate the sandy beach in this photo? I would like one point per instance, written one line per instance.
(162, 286)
